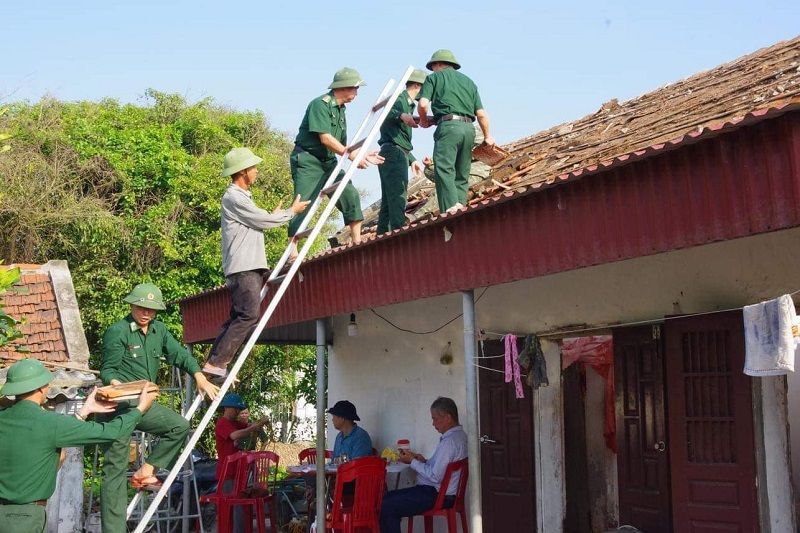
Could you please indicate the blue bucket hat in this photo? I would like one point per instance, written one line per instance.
(232, 399)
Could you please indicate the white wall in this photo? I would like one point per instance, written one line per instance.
(393, 376)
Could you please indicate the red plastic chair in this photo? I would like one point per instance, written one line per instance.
(258, 474)
(222, 496)
(458, 505)
(309, 456)
(364, 511)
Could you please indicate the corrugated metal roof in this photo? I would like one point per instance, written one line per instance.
(734, 179)
(66, 384)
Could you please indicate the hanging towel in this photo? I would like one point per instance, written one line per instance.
(512, 366)
(768, 339)
(532, 359)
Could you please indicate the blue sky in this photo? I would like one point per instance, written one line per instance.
(536, 64)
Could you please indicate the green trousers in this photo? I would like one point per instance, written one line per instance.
(452, 156)
(394, 188)
(159, 421)
(28, 518)
(309, 175)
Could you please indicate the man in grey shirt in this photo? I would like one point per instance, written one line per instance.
(244, 260)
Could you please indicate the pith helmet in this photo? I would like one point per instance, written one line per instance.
(25, 376)
(418, 76)
(346, 77)
(146, 295)
(443, 56)
(239, 159)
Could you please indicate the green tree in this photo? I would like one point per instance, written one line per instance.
(131, 193)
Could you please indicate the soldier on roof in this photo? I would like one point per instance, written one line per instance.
(455, 103)
(323, 136)
(396, 149)
(133, 349)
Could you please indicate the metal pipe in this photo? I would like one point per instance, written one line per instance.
(187, 485)
(473, 437)
(320, 486)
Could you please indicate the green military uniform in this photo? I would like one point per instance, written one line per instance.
(311, 162)
(396, 149)
(454, 103)
(31, 439)
(478, 172)
(130, 355)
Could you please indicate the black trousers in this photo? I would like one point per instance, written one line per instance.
(245, 289)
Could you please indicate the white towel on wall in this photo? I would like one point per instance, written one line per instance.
(768, 337)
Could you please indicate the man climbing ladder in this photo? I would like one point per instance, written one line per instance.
(244, 260)
(332, 187)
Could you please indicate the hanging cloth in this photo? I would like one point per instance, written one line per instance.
(597, 352)
(512, 365)
(532, 359)
(768, 337)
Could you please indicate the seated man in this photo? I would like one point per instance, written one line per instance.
(421, 497)
(352, 441)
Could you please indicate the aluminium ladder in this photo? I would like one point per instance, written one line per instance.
(333, 188)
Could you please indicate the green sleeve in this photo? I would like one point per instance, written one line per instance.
(478, 103)
(113, 350)
(411, 158)
(396, 111)
(177, 355)
(319, 118)
(69, 431)
(427, 88)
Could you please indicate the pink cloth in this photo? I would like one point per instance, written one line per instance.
(598, 353)
(512, 365)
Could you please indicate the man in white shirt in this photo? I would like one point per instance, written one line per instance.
(244, 260)
(421, 497)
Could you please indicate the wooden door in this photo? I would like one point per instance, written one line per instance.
(642, 459)
(507, 451)
(711, 425)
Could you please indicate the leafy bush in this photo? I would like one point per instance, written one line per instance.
(131, 193)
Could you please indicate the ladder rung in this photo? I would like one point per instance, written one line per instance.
(381, 104)
(277, 279)
(327, 191)
(303, 234)
(356, 145)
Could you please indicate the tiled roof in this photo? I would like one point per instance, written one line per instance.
(44, 302)
(767, 78)
(33, 302)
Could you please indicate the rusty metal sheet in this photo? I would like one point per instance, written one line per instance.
(737, 179)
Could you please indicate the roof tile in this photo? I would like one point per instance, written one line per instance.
(32, 302)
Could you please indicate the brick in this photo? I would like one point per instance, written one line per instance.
(49, 316)
(60, 346)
